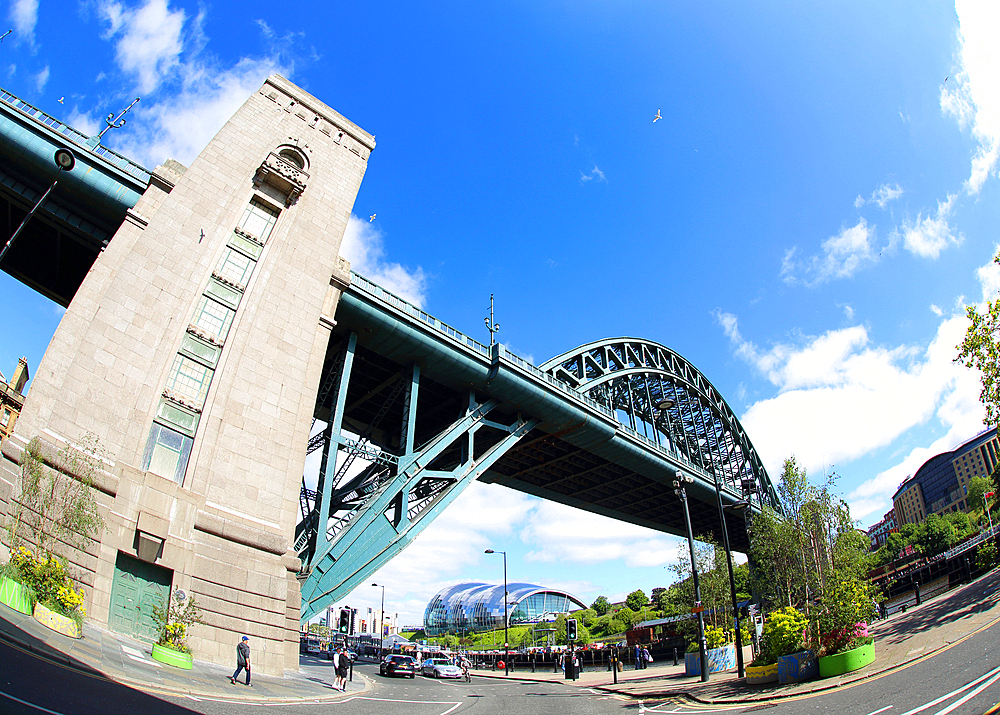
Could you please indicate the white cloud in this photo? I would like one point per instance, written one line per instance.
(24, 15)
(595, 173)
(42, 78)
(556, 530)
(973, 97)
(148, 40)
(364, 248)
(840, 397)
(936, 310)
(927, 237)
(843, 255)
(881, 196)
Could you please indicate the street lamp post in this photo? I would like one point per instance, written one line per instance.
(506, 652)
(681, 492)
(381, 615)
(732, 580)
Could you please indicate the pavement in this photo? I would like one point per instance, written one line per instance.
(901, 639)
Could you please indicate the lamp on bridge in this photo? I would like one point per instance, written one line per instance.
(506, 654)
(64, 160)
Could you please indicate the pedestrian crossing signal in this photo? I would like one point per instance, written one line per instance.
(344, 625)
(571, 629)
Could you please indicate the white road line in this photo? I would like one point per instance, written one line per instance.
(887, 707)
(31, 705)
(941, 699)
(970, 695)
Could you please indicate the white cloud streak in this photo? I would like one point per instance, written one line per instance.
(928, 236)
(839, 397)
(148, 39)
(843, 255)
(881, 196)
(363, 246)
(24, 15)
(595, 173)
(973, 98)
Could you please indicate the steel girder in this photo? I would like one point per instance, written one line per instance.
(632, 377)
(358, 523)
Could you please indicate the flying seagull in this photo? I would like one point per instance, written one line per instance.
(657, 116)
(61, 100)
(371, 218)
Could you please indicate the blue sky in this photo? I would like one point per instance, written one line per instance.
(804, 224)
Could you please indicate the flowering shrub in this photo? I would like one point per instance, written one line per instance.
(173, 616)
(782, 634)
(47, 582)
(843, 621)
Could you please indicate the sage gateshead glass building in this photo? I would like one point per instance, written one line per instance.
(476, 607)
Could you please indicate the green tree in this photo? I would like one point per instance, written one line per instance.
(636, 600)
(979, 350)
(601, 605)
(909, 534)
(935, 535)
(961, 523)
(978, 486)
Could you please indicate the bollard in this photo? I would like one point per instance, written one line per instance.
(675, 656)
(532, 663)
(351, 676)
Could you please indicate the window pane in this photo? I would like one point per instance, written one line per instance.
(189, 380)
(213, 317)
(167, 453)
(235, 267)
(258, 220)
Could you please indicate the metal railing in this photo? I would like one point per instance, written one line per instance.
(108, 155)
(379, 293)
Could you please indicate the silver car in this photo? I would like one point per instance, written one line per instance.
(440, 668)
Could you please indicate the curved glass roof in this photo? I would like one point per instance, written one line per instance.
(473, 607)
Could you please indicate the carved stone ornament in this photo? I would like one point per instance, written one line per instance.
(284, 176)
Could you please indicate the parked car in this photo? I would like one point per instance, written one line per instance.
(398, 665)
(440, 668)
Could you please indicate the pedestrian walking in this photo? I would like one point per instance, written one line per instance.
(646, 657)
(242, 661)
(638, 657)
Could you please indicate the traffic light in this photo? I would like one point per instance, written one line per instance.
(571, 629)
(354, 615)
(344, 625)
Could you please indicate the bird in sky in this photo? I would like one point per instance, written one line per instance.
(657, 116)
(5, 34)
(61, 100)
(371, 218)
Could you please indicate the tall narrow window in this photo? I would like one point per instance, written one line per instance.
(213, 317)
(167, 453)
(189, 380)
(258, 219)
(235, 267)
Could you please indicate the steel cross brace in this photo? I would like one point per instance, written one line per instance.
(372, 537)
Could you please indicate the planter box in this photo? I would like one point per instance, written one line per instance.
(719, 659)
(849, 660)
(762, 674)
(797, 667)
(172, 657)
(57, 622)
(15, 595)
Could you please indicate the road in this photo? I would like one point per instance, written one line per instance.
(963, 679)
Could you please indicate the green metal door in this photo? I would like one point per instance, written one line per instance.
(136, 588)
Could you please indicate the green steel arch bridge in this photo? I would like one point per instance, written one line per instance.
(410, 410)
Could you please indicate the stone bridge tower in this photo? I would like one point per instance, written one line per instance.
(193, 351)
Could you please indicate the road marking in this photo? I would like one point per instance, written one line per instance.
(454, 705)
(31, 705)
(988, 678)
(887, 707)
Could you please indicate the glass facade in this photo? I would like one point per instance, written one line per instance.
(475, 607)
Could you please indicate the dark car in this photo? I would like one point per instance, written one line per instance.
(398, 665)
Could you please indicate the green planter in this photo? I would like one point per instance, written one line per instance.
(15, 595)
(169, 656)
(849, 660)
